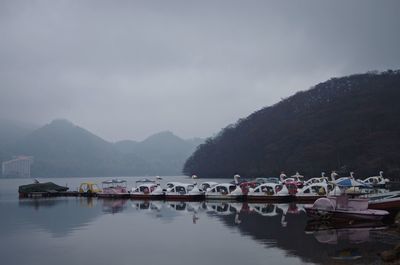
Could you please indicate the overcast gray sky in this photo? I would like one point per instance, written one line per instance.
(128, 69)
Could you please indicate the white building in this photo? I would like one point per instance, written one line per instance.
(19, 166)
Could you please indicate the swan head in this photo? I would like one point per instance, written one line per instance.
(236, 177)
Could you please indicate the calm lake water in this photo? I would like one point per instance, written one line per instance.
(99, 231)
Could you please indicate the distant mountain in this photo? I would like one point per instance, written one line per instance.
(164, 151)
(347, 124)
(61, 148)
(126, 146)
(11, 131)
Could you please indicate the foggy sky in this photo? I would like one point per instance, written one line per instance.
(128, 69)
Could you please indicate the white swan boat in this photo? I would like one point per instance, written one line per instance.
(208, 184)
(376, 181)
(269, 192)
(183, 191)
(147, 190)
(224, 191)
(314, 191)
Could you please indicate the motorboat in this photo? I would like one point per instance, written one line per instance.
(147, 190)
(40, 188)
(343, 208)
(114, 188)
(183, 191)
(269, 192)
(376, 181)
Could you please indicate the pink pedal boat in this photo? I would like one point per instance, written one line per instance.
(342, 207)
(115, 188)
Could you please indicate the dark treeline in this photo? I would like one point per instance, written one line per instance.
(345, 124)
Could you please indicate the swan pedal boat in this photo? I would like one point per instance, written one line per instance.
(177, 191)
(224, 191)
(272, 192)
(314, 191)
(147, 191)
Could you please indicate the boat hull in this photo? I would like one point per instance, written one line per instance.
(114, 195)
(266, 198)
(388, 204)
(147, 196)
(184, 197)
(226, 197)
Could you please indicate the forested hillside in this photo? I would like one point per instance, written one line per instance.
(346, 124)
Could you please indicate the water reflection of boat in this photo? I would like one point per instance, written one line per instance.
(222, 207)
(177, 206)
(38, 203)
(264, 209)
(275, 209)
(333, 232)
(113, 205)
(347, 254)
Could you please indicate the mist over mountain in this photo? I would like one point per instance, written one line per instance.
(11, 131)
(346, 124)
(163, 150)
(61, 148)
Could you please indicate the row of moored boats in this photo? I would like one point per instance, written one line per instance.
(282, 189)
